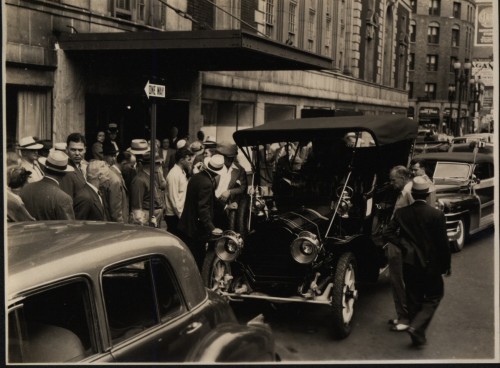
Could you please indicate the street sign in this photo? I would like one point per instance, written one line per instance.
(154, 90)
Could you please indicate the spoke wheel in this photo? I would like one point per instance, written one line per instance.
(216, 273)
(458, 244)
(344, 295)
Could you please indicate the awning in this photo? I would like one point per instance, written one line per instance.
(194, 50)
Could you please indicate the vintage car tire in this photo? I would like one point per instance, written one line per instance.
(458, 245)
(343, 295)
(212, 268)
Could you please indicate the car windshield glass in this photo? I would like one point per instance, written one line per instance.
(451, 170)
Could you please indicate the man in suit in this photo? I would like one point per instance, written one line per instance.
(196, 224)
(167, 156)
(89, 202)
(116, 199)
(75, 149)
(231, 188)
(419, 230)
(43, 199)
(29, 152)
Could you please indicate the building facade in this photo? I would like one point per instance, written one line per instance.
(440, 62)
(53, 88)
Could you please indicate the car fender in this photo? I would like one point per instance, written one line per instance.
(232, 342)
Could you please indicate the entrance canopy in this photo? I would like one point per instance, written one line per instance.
(195, 50)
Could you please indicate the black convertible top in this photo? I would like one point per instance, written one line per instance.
(385, 129)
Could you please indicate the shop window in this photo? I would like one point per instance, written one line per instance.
(53, 325)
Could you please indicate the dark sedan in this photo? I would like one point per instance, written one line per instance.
(107, 292)
(464, 191)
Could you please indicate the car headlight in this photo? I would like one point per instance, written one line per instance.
(305, 248)
(440, 205)
(228, 247)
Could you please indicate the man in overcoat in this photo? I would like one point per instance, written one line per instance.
(89, 201)
(116, 200)
(419, 230)
(196, 224)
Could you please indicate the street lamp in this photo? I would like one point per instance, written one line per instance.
(476, 90)
(451, 98)
(461, 80)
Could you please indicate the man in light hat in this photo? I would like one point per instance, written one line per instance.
(43, 199)
(231, 189)
(29, 158)
(196, 224)
(419, 230)
(197, 148)
(140, 193)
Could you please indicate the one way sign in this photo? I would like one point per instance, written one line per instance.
(154, 90)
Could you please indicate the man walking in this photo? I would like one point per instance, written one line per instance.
(177, 181)
(43, 199)
(419, 230)
(88, 202)
(196, 224)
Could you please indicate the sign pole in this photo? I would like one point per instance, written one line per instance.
(152, 173)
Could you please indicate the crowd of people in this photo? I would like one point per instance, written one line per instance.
(198, 187)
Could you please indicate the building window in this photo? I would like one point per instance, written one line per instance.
(430, 91)
(413, 31)
(310, 25)
(163, 14)
(269, 17)
(434, 7)
(413, 4)
(410, 90)
(433, 33)
(457, 10)
(453, 60)
(432, 63)
(292, 22)
(455, 36)
(141, 10)
(411, 61)
(123, 9)
(310, 45)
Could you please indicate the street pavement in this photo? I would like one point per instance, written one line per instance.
(463, 328)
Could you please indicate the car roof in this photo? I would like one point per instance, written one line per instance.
(456, 157)
(385, 129)
(42, 252)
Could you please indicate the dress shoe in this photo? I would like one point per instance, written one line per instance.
(416, 339)
(399, 327)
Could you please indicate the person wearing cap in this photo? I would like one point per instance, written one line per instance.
(197, 148)
(167, 155)
(140, 193)
(417, 168)
(17, 178)
(112, 135)
(97, 146)
(177, 181)
(401, 181)
(75, 149)
(231, 188)
(115, 195)
(419, 230)
(44, 199)
(89, 201)
(29, 147)
(196, 224)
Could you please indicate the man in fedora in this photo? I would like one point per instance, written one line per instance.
(196, 224)
(231, 188)
(115, 195)
(43, 199)
(419, 230)
(140, 192)
(29, 158)
(89, 201)
(75, 149)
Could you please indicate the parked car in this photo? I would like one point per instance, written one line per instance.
(467, 138)
(464, 191)
(105, 292)
(318, 203)
(480, 146)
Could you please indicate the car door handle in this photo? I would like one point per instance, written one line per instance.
(192, 328)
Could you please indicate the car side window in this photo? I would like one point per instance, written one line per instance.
(483, 171)
(139, 295)
(53, 325)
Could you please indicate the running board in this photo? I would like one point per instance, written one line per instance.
(297, 299)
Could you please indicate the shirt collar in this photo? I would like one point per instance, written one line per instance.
(93, 188)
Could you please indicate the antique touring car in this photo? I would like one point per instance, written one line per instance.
(318, 199)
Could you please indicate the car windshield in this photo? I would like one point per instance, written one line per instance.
(451, 171)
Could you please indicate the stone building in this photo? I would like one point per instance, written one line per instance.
(441, 35)
(74, 65)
